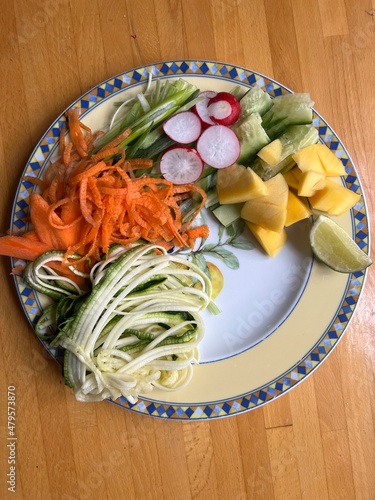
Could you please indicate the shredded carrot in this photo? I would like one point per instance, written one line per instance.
(31, 235)
(121, 137)
(75, 131)
(67, 158)
(86, 204)
(137, 164)
(17, 270)
(21, 247)
(35, 180)
(62, 140)
(107, 152)
(197, 232)
(95, 169)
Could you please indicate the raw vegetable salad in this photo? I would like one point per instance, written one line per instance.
(117, 221)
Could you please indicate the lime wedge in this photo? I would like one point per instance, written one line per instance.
(333, 246)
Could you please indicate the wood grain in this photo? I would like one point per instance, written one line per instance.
(315, 442)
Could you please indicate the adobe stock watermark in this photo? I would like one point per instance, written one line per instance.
(362, 38)
(38, 363)
(100, 472)
(260, 310)
(30, 26)
(21, 373)
(11, 439)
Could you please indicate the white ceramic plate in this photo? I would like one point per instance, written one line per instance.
(280, 317)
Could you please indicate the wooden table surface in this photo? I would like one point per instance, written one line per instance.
(315, 442)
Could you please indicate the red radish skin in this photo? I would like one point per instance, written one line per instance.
(181, 165)
(184, 127)
(224, 109)
(201, 108)
(218, 146)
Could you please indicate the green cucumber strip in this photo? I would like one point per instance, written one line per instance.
(286, 110)
(255, 100)
(252, 137)
(212, 199)
(227, 214)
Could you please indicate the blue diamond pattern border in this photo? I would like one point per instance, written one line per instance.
(347, 307)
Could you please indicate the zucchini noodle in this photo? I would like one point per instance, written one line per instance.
(44, 279)
(139, 328)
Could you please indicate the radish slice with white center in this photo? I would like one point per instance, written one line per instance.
(224, 109)
(201, 107)
(218, 146)
(184, 127)
(181, 165)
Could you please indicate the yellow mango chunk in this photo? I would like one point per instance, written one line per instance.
(331, 164)
(319, 158)
(296, 210)
(258, 186)
(308, 159)
(334, 199)
(310, 182)
(269, 211)
(269, 216)
(277, 191)
(271, 153)
(292, 177)
(272, 242)
(236, 184)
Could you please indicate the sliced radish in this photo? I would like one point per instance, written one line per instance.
(224, 109)
(184, 127)
(181, 165)
(201, 107)
(218, 146)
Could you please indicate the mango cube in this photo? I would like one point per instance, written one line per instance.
(236, 184)
(272, 242)
(296, 210)
(292, 177)
(335, 199)
(271, 153)
(269, 216)
(310, 182)
(277, 191)
(332, 165)
(319, 158)
(269, 211)
(308, 159)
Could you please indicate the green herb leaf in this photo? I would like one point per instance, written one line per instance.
(199, 260)
(224, 255)
(242, 244)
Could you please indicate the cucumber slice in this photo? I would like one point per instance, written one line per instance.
(255, 101)
(293, 139)
(212, 200)
(297, 137)
(252, 137)
(286, 110)
(227, 214)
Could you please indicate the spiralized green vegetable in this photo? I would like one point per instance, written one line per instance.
(139, 328)
(42, 278)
